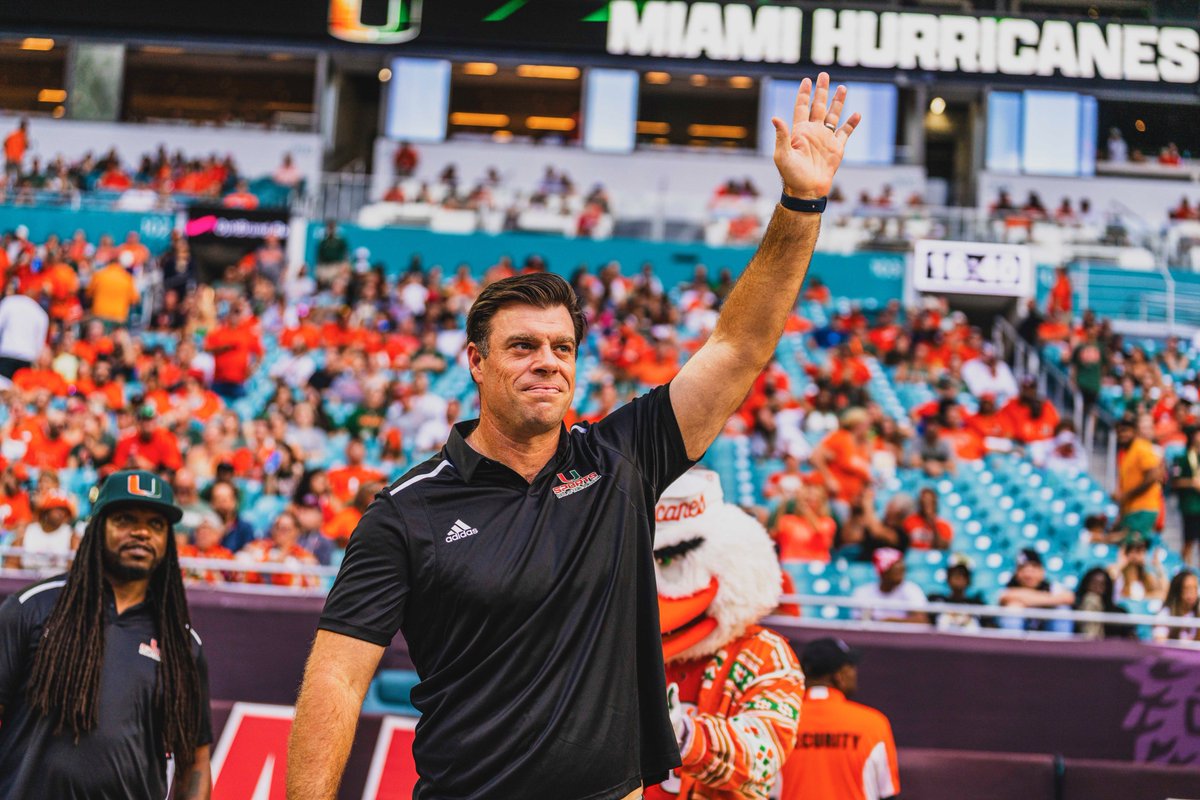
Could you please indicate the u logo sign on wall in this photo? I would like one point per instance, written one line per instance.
(401, 23)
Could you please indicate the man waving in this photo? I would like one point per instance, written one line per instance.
(518, 562)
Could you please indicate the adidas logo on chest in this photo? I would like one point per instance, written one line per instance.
(460, 530)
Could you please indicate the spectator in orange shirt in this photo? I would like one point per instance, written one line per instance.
(844, 751)
(346, 480)
(60, 282)
(241, 197)
(15, 508)
(991, 425)
(41, 376)
(803, 526)
(149, 447)
(236, 345)
(925, 529)
(113, 291)
(844, 457)
(15, 145)
(339, 529)
(1060, 301)
(1032, 418)
(207, 544)
(965, 440)
(282, 547)
(133, 245)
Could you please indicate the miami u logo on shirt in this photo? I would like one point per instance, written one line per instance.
(144, 488)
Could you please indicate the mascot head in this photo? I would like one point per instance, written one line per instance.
(716, 568)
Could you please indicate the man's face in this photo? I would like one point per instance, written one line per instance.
(135, 542)
(847, 679)
(223, 501)
(208, 536)
(527, 380)
(285, 532)
(1125, 435)
(894, 576)
(53, 518)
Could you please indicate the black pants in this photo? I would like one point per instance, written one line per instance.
(9, 366)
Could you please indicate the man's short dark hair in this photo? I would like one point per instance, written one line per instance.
(539, 289)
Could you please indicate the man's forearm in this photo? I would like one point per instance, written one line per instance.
(753, 317)
(326, 717)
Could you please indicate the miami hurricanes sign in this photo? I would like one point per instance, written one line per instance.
(905, 40)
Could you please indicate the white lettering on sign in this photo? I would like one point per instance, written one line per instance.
(972, 268)
(677, 29)
(904, 40)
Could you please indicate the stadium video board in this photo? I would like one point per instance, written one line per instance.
(802, 34)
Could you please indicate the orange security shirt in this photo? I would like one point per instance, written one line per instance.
(844, 751)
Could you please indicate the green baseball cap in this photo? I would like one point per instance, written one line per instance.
(140, 487)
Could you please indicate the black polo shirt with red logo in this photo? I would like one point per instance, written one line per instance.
(123, 758)
(529, 609)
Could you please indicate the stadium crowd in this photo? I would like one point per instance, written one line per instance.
(155, 181)
(277, 401)
(555, 197)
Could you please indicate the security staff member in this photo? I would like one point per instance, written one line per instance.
(518, 562)
(102, 679)
(844, 750)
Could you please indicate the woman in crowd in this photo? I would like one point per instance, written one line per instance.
(1183, 600)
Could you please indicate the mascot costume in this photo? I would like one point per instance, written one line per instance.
(734, 688)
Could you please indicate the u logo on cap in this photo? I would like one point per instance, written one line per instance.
(135, 487)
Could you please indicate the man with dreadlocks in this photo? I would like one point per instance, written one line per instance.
(103, 685)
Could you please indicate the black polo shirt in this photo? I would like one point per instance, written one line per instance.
(123, 758)
(530, 610)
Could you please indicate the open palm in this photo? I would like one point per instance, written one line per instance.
(808, 155)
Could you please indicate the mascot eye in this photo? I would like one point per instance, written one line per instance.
(664, 556)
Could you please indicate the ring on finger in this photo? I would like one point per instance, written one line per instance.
(831, 126)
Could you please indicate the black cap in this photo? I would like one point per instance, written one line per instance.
(1029, 556)
(826, 656)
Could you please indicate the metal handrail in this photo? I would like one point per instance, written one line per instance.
(215, 564)
(1070, 615)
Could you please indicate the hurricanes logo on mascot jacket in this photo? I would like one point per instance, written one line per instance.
(734, 688)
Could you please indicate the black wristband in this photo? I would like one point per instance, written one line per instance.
(804, 206)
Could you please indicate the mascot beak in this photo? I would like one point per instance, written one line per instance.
(682, 621)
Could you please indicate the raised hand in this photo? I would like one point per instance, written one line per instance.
(809, 154)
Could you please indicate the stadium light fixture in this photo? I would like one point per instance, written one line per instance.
(385, 75)
(741, 82)
(937, 106)
(717, 131)
(698, 80)
(52, 95)
(475, 120)
(1140, 125)
(483, 68)
(37, 43)
(659, 78)
(654, 128)
(550, 123)
(547, 71)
